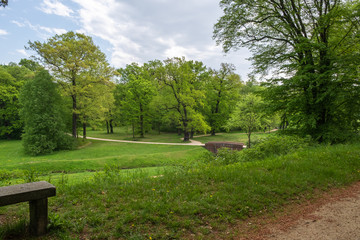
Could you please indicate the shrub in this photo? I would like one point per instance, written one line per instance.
(274, 145)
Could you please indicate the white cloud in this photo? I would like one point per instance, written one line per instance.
(44, 32)
(55, 7)
(108, 20)
(3, 32)
(19, 24)
(23, 52)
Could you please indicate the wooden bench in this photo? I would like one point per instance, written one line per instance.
(36, 193)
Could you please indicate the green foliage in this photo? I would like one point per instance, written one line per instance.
(183, 92)
(222, 93)
(311, 49)
(274, 145)
(44, 129)
(31, 175)
(249, 114)
(12, 78)
(138, 92)
(30, 64)
(79, 67)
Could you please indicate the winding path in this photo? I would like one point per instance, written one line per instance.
(192, 142)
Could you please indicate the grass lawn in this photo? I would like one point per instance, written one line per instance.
(96, 156)
(198, 201)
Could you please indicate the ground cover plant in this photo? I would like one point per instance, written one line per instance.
(193, 200)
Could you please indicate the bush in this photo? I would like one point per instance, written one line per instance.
(274, 145)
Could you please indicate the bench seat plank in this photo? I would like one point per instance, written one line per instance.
(26, 192)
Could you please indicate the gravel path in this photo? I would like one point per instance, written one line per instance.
(339, 220)
(332, 215)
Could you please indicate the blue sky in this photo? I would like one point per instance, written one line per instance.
(125, 30)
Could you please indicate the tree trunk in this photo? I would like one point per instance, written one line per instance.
(249, 138)
(186, 136)
(213, 132)
(142, 126)
(141, 121)
(179, 131)
(84, 131)
(107, 126)
(133, 130)
(192, 134)
(111, 126)
(74, 117)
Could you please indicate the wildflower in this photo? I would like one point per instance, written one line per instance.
(153, 189)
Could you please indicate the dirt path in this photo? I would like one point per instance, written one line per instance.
(332, 216)
(338, 220)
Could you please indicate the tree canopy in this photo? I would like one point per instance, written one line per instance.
(306, 47)
(3, 3)
(76, 62)
(44, 124)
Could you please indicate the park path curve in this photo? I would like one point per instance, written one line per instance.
(192, 142)
(337, 219)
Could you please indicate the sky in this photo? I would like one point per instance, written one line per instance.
(125, 30)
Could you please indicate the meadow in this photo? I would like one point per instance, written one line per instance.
(134, 191)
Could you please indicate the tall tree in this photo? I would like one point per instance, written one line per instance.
(139, 91)
(12, 78)
(71, 57)
(183, 82)
(44, 128)
(222, 93)
(308, 42)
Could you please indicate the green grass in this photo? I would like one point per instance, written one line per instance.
(198, 200)
(96, 156)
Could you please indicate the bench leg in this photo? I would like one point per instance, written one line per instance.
(38, 216)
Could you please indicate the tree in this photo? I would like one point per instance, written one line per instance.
(182, 82)
(248, 115)
(305, 45)
(30, 64)
(138, 93)
(94, 100)
(3, 3)
(71, 57)
(222, 93)
(12, 78)
(44, 128)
